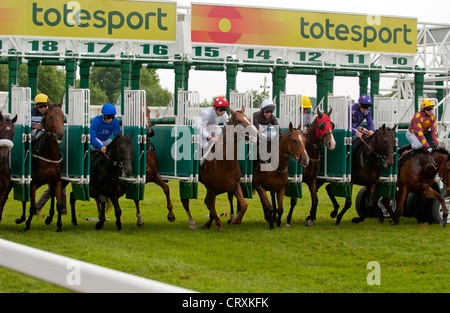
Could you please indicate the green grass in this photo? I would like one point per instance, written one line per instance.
(246, 258)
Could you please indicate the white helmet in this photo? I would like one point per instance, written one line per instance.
(267, 104)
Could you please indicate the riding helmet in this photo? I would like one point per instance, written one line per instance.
(426, 103)
(40, 98)
(108, 109)
(365, 99)
(306, 102)
(268, 105)
(220, 102)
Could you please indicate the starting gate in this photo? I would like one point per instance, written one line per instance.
(336, 164)
(75, 147)
(21, 153)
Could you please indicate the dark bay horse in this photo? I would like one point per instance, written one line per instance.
(320, 132)
(152, 175)
(222, 173)
(367, 158)
(46, 164)
(416, 173)
(292, 144)
(6, 144)
(106, 168)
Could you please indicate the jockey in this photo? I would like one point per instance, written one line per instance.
(420, 123)
(41, 103)
(308, 118)
(264, 118)
(211, 118)
(103, 126)
(360, 112)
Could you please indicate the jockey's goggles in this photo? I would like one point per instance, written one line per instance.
(268, 111)
(221, 109)
(365, 106)
(42, 105)
(108, 117)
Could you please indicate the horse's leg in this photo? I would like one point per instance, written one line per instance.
(72, 208)
(432, 194)
(20, 220)
(333, 213)
(274, 205)
(230, 200)
(348, 204)
(51, 212)
(101, 202)
(314, 202)
(185, 202)
(210, 201)
(33, 188)
(242, 205)
(291, 210)
(370, 195)
(58, 191)
(166, 189)
(117, 211)
(280, 197)
(140, 221)
(5, 197)
(267, 206)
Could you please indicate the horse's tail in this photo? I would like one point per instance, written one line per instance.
(108, 205)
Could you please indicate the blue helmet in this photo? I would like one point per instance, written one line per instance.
(365, 99)
(108, 109)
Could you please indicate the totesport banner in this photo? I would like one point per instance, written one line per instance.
(305, 29)
(108, 19)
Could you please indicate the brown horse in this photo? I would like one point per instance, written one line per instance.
(320, 132)
(6, 144)
(292, 144)
(367, 158)
(222, 173)
(152, 175)
(46, 164)
(416, 173)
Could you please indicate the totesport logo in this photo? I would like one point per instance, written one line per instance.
(305, 29)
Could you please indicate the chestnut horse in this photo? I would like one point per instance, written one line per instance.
(416, 173)
(152, 175)
(6, 144)
(292, 144)
(222, 174)
(320, 132)
(368, 156)
(46, 165)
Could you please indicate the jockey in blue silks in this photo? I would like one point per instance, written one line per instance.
(360, 112)
(103, 126)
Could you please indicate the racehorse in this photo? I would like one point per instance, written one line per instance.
(416, 173)
(292, 144)
(6, 144)
(320, 132)
(152, 175)
(369, 154)
(106, 168)
(46, 164)
(222, 174)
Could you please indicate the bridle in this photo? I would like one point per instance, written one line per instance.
(290, 144)
(382, 157)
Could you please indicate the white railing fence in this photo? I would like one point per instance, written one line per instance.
(76, 275)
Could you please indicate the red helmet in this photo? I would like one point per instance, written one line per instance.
(220, 102)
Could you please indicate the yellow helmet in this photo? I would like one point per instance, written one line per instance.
(40, 98)
(306, 102)
(426, 103)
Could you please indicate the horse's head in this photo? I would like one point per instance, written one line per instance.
(324, 129)
(239, 118)
(6, 136)
(148, 124)
(54, 121)
(124, 153)
(385, 142)
(293, 142)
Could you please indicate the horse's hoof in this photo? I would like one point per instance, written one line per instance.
(99, 226)
(193, 227)
(309, 223)
(355, 220)
(140, 224)
(59, 230)
(381, 220)
(48, 221)
(19, 220)
(220, 228)
(288, 225)
(333, 214)
(171, 218)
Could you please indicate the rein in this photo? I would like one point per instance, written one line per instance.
(380, 156)
(45, 159)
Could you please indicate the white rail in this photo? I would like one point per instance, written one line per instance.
(75, 275)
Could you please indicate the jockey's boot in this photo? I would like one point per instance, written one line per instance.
(404, 148)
